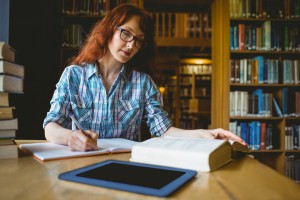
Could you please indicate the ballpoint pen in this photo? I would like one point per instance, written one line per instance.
(79, 126)
(76, 122)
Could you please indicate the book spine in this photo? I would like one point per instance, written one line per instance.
(263, 135)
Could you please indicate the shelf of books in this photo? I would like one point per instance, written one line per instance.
(185, 29)
(194, 81)
(263, 73)
(11, 85)
(166, 78)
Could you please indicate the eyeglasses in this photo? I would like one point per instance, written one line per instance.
(126, 36)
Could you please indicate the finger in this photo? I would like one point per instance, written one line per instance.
(91, 134)
(80, 142)
(75, 145)
(92, 142)
(234, 137)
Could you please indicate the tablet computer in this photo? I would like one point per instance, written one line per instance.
(132, 177)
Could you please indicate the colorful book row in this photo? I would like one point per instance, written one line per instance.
(292, 137)
(73, 36)
(182, 25)
(258, 103)
(265, 9)
(195, 69)
(259, 70)
(84, 7)
(292, 167)
(258, 135)
(266, 37)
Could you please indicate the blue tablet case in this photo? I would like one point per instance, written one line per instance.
(132, 177)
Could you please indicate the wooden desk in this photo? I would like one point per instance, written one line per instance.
(246, 178)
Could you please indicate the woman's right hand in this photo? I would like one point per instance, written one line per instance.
(82, 141)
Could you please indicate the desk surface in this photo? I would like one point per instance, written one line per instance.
(246, 178)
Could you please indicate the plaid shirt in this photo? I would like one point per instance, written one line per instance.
(133, 97)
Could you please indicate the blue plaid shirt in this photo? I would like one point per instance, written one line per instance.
(133, 97)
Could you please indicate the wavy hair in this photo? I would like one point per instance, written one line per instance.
(96, 43)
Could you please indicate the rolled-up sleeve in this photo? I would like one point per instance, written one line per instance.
(157, 118)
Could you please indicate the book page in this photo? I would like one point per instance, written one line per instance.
(116, 144)
(236, 146)
(50, 151)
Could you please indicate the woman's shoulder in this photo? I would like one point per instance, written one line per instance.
(79, 69)
(140, 75)
(144, 78)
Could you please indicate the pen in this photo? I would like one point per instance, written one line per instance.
(77, 124)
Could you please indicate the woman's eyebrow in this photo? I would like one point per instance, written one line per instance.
(127, 28)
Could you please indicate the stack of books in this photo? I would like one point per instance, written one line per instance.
(11, 82)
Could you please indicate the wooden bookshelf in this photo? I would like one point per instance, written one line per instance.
(222, 54)
(183, 31)
(194, 79)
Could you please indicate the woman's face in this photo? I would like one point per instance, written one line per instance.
(121, 50)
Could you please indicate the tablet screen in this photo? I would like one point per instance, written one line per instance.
(133, 175)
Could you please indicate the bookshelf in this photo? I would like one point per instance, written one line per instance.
(272, 51)
(194, 88)
(183, 35)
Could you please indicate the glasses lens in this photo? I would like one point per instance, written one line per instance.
(126, 36)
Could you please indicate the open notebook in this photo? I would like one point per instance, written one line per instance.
(49, 151)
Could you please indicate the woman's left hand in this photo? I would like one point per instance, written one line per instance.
(220, 133)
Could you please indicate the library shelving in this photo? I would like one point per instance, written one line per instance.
(183, 30)
(256, 75)
(194, 85)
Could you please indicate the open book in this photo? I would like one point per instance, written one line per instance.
(190, 153)
(49, 151)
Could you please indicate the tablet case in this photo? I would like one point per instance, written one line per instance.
(173, 177)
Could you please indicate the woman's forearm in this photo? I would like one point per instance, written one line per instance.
(55, 133)
(177, 132)
(218, 133)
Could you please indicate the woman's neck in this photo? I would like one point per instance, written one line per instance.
(109, 70)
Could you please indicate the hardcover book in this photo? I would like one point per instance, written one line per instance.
(10, 133)
(189, 153)
(7, 52)
(8, 149)
(11, 84)
(6, 112)
(11, 68)
(9, 124)
(4, 99)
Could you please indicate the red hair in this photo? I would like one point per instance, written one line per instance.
(96, 44)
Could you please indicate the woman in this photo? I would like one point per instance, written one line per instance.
(107, 90)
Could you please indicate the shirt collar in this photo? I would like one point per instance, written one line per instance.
(126, 71)
(92, 69)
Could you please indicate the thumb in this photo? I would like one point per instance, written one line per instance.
(91, 134)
